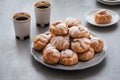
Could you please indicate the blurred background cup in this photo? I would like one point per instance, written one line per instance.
(21, 23)
(42, 13)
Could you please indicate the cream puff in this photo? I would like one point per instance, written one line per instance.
(61, 42)
(103, 17)
(50, 54)
(80, 45)
(40, 41)
(68, 57)
(97, 44)
(79, 32)
(58, 28)
(72, 22)
(88, 55)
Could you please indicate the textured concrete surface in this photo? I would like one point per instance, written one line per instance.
(16, 62)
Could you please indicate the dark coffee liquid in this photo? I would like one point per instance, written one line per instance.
(42, 7)
(21, 18)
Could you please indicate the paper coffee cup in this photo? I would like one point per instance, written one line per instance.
(21, 23)
(42, 13)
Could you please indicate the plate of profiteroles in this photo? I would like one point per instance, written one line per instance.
(68, 45)
(102, 17)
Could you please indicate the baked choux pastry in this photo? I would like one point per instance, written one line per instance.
(103, 17)
(80, 45)
(50, 54)
(97, 44)
(61, 42)
(79, 32)
(40, 41)
(68, 42)
(88, 55)
(72, 22)
(68, 57)
(59, 28)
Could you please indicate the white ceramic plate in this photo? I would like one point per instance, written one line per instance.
(81, 65)
(108, 3)
(111, 1)
(89, 16)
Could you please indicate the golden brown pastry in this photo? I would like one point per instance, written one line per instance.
(67, 43)
(80, 45)
(61, 42)
(88, 55)
(103, 17)
(51, 55)
(79, 32)
(68, 57)
(40, 41)
(58, 28)
(72, 22)
(97, 44)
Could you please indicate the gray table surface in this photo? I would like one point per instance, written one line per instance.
(16, 62)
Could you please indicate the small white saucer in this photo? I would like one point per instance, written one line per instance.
(112, 1)
(89, 16)
(109, 3)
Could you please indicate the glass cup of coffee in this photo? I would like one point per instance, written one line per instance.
(21, 23)
(42, 13)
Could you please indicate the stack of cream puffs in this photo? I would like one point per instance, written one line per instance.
(67, 43)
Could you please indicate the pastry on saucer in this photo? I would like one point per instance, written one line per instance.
(103, 17)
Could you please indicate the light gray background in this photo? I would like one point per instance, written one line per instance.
(16, 62)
